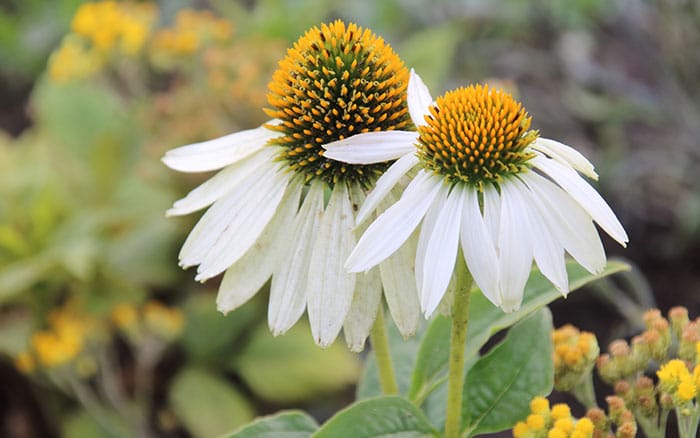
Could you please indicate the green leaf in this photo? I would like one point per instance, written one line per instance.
(485, 319)
(307, 371)
(382, 416)
(289, 424)
(403, 356)
(207, 404)
(203, 319)
(499, 387)
(19, 276)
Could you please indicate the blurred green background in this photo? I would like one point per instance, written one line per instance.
(102, 333)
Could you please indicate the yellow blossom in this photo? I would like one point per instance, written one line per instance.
(686, 389)
(55, 348)
(124, 316)
(566, 425)
(535, 422)
(520, 430)
(25, 362)
(539, 405)
(166, 322)
(561, 410)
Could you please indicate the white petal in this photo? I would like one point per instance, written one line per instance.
(220, 152)
(217, 219)
(478, 248)
(441, 253)
(392, 228)
(426, 231)
(245, 277)
(419, 99)
(547, 250)
(398, 279)
(367, 296)
(492, 211)
(330, 286)
(385, 183)
(248, 219)
(372, 147)
(515, 249)
(570, 223)
(221, 183)
(585, 195)
(366, 301)
(288, 291)
(565, 155)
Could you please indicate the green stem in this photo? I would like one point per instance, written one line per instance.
(380, 344)
(458, 340)
(585, 393)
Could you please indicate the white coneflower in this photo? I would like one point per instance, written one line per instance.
(487, 181)
(281, 209)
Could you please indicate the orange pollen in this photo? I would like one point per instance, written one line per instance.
(476, 135)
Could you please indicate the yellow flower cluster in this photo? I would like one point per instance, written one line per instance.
(191, 30)
(556, 422)
(108, 25)
(675, 379)
(574, 355)
(59, 344)
(164, 322)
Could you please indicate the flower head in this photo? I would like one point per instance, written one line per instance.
(487, 181)
(270, 217)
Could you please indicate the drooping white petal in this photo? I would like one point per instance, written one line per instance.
(478, 247)
(398, 278)
(245, 277)
(492, 211)
(566, 155)
(288, 291)
(418, 99)
(585, 195)
(221, 183)
(372, 147)
(248, 219)
(385, 183)
(570, 223)
(426, 231)
(392, 228)
(515, 246)
(441, 252)
(366, 302)
(220, 152)
(225, 212)
(366, 299)
(547, 250)
(330, 286)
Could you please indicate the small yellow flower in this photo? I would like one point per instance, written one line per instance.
(539, 405)
(583, 428)
(561, 411)
(56, 348)
(25, 362)
(686, 389)
(520, 430)
(557, 433)
(535, 422)
(124, 316)
(565, 425)
(166, 322)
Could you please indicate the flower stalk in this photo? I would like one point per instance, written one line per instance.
(385, 366)
(458, 339)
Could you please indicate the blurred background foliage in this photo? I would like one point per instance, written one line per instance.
(102, 333)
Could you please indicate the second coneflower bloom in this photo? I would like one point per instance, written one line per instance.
(484, 181)
(282, 210)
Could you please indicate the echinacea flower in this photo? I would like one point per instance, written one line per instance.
(282, 210)
(484, 180)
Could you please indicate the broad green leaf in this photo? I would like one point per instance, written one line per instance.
(289, 424)
(403, 355)
(19, 276)
(485, 319)
(382, 416)
(99, 423)
(499, 387)
(203, 319)
(291, 367)
(207, 404)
